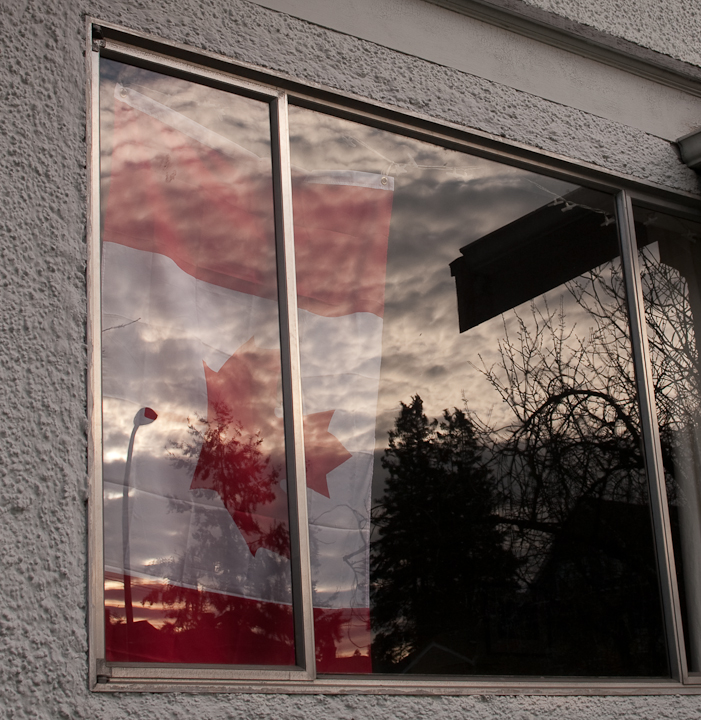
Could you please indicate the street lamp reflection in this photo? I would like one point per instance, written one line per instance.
(145, 416)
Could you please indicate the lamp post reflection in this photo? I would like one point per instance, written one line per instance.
(145, 416)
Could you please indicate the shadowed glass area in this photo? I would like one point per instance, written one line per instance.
(670, 267)
(482, 381)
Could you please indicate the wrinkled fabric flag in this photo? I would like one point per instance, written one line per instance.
(190, 330)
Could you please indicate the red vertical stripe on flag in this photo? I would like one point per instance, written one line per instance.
(340, 247)
(183, 625)
(211, 213)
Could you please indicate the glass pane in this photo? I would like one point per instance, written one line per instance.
(195, 511)
(477, 496)
(670, 265)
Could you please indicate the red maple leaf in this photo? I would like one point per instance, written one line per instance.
(242, 456)
(322, 450)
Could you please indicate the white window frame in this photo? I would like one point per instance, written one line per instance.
(106, 40)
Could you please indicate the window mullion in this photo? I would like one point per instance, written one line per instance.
(651, 438)
(96, 565)
(292, 390)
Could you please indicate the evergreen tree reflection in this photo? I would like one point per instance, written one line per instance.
(440, 558)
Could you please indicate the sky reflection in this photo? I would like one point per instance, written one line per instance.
(443, 200)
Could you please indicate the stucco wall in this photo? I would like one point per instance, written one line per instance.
(455, 34)
(671, 27)
(43, 442)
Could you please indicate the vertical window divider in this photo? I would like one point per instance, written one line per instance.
(292, 390)
(96, 628)
(652, 447)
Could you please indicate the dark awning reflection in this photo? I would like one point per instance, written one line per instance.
(534, 254)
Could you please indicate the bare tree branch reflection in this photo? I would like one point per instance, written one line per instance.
(527, 549)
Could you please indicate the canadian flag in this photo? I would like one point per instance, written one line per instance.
(195, 506)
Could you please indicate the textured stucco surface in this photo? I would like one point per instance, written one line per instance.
(43, 639)
(448, 33)
(670, 27)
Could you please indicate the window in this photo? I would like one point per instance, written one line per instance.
(375, 404)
